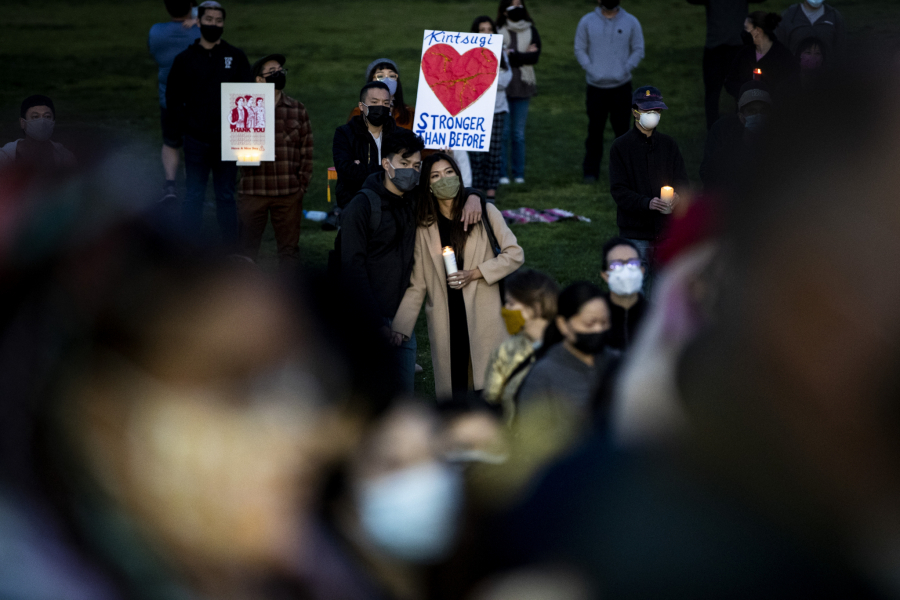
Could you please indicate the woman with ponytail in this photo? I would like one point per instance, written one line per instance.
(763, 51)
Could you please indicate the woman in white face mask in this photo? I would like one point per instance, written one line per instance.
(624, 274)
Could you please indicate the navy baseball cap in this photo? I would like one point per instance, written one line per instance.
(648, 98)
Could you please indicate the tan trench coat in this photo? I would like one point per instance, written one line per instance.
(482, 297)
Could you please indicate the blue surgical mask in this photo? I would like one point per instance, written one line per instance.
(412, 514)
(754, 123)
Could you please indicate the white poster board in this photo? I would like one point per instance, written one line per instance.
(457, 89)
(248, 122)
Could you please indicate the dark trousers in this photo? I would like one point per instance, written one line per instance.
(614, 104)
(286, 212)
(201, 159)
(716, 64)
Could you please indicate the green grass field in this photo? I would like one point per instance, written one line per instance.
(91, 58)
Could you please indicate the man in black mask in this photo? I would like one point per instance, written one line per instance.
(193, 96)
(277, 188)
(357, 144)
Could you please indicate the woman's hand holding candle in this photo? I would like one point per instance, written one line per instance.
(461, 279)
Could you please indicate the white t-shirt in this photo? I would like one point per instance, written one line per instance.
(378, 143)
(812, 15)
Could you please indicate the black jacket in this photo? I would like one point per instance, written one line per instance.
(638, 169)
(623, 324)
(724, 154)
(352, 142)
(193, 92)
(376, 266)
(780, 70)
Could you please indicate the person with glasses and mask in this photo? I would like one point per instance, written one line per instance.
(641, 162)
(386, 71)
(277, 188)
(623, 272)
(37, 117)
(193, 99)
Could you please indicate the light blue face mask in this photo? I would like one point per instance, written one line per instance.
(754, 123)
(815, 3)
(412, 514)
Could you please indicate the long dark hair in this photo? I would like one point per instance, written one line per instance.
(403, 113)
(428, 210)
(486, 19)
(568, 305)
(765, 21)
(501, 13)
(535, 289)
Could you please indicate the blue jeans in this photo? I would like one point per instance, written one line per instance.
(405, 361)
(200, 159)
(514, 133)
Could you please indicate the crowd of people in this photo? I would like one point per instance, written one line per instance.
(717, 420)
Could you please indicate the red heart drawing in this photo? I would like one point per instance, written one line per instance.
(458, 81)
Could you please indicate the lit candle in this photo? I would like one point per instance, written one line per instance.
(667, 194)
(757, 74)
(450, 260)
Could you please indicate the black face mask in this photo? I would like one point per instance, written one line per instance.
(515, 13)
(278, 78)
(609, 4)
(378, 115)
(590, 343)
(746, 38)
(211, 33)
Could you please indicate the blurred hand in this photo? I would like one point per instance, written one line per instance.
(660, 205)
(532, 48)
(471, 213)
(461, 279)
(396, 339)
(356, 162)
(188, 23)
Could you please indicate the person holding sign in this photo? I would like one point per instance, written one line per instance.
(523, 47)
(193, 93)
(463, 308)
(641, 163)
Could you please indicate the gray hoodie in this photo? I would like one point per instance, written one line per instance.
(609, 49)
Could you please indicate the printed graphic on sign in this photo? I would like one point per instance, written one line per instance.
(456, 80)
(248, 122)
(457, 89)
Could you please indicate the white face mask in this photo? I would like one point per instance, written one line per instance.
(626, 281)
(649, 120)
(815, 3)
(39, 130)
(412, 514)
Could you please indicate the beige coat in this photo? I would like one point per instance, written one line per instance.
(482, 297)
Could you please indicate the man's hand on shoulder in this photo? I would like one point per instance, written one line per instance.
(471, 213)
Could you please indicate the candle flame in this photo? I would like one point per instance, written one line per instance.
(448, 250)
(757, 71)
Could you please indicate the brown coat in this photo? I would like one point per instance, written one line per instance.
(482, 298)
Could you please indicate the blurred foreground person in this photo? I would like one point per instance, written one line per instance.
(37, 118)
(166, 416)
(530, 306)
(786, 481)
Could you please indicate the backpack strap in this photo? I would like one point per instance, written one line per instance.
(375, 204)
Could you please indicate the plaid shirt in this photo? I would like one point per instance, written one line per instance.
(292, 168)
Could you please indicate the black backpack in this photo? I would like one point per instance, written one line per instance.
(334, 256)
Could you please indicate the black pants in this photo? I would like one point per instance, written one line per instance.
(716, 64)
(613, 103)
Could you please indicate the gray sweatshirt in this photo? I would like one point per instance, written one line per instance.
(609, 49)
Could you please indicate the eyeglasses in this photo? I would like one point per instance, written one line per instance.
(270, 73)
(382, 77)
(615, 265)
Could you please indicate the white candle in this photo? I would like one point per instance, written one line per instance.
(450, 260)
(666, 194)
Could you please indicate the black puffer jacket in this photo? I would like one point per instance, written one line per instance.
(352, 142)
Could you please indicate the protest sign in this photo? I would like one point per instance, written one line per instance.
(248, 122)
(457, 89)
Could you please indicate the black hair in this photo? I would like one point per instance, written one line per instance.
(428, 211)
(36, 100)
(765, 21)
(372, 85)
(568, 305)
(483, 19)
(617, 241)
(401, 141)
(178, 8)
(809, 43)
(201, 10)
(403, 113)
(535, 289)
(501, 13)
